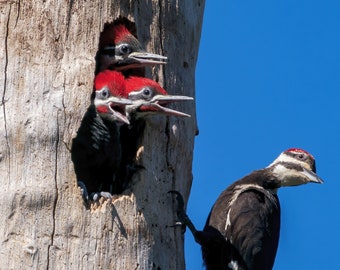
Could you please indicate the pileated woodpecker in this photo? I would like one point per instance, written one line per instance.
(103, 150)
(243, 227)
(96, 150)
(120, 50)
(150, 98)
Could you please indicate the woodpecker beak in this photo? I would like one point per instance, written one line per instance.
(114, 108)
(156, 105)
(132, 60)
(147, 59)
(295, 176)
(311, 176)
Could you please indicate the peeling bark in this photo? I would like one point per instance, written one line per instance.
(47, 71)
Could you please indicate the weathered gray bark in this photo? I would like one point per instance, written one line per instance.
(47, 67)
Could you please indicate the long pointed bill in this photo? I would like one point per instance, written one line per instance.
(169, 98)
(312, 177)
(118, 116)
(146, 58)
(163, 110)
(157, 104)
(116, 107)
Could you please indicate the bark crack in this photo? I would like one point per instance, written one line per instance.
(69, 15)
(56, 192)
(3, 99)
(18, 13)
(160, 25)
(167, 125)
(167, 151)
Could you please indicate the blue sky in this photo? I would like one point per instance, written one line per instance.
(267, 79)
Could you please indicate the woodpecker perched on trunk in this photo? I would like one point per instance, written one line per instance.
(243, 227)
(120, 50)
(96, 150)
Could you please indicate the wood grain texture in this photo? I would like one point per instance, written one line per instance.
(47, 68)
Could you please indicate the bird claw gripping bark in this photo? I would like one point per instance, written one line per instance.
(83, 190)
(95, 196)
(181, 214)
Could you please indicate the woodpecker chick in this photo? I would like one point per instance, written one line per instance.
(120, 50)
(96, 150)
(243, 227)
(150, 98)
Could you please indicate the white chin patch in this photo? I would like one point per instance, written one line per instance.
(288, 177)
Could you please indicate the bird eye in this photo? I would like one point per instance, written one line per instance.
(125, 49)
(147, 93)
(301, 156)
(105, 93)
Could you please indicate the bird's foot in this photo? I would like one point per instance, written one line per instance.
(95, 196)
(183, 219)
(83, 190)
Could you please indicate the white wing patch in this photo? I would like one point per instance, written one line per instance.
(227, 223)
(239, 190)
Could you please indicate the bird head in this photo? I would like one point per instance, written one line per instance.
(294, 167)
(120, 50)
(109, 96)
(149, 97)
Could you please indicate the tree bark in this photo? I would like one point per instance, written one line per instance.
(47, 68)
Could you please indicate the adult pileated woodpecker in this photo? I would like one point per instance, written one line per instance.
(120, 50)
(243, 227)
(96, 150)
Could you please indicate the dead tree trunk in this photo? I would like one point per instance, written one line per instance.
(47, 68)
